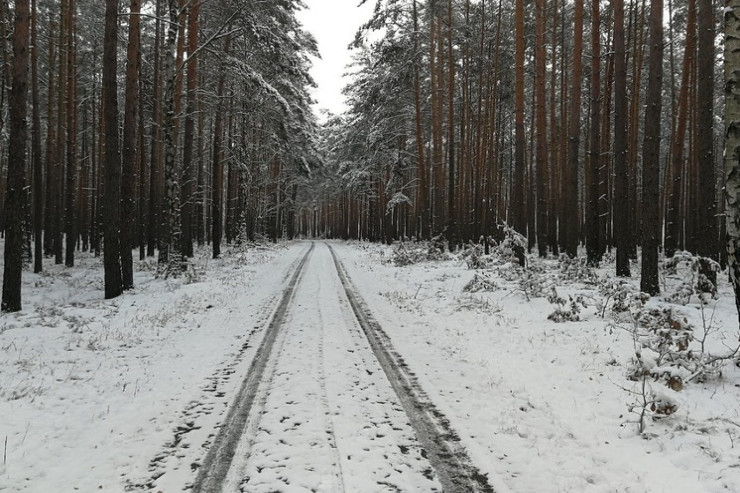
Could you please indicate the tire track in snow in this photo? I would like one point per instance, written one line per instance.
(449, 459)
(289, 444)
(330, 431)
(218, 460)
(326, 419)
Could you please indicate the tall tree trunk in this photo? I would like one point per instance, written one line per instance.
(129, 151)
(621, 182)
(155, 167)
(170, 256)
(61, 134)
(49, 204)
(553, 162)
(541, 128)
(675, 221)
(707, 206)
(732, 142)
(517, 208)
(422, 205)
(112, 202)
(571, 220)
(15, 201)
(71, 144)
(188, 178)
(38, 174)
(633, 142)
(144, 174)
(218, 163)
(651, 155)
(452, 227)
(593, 249)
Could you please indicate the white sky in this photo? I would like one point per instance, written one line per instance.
(334, 24)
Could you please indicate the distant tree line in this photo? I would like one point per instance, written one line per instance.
(147, 128)
(577, 123)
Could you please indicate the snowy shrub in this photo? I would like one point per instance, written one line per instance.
(576, 269)
(436, 248)
(662, 354)
(686, 267)
(668, 351)
(406, 253)
(480, 282)
(397, 199)
(477, 304)
(566, 310)
(681, 294)
(662, 348)
(619, 297)
(532, 284)
(403, 254)
(513, 247)
(650, 403)
(475, 258)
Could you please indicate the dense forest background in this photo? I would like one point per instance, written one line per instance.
(150, 127)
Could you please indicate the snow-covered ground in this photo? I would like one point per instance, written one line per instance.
(543, 406)
(120, 395)
(92, 390)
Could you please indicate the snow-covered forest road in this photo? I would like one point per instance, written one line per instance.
(349, 373)
(318, 410)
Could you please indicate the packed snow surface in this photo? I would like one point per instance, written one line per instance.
(127, 394)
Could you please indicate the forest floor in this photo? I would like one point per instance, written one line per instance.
(129, 394)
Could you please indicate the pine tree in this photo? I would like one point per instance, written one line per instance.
(15, 201)
(129, 150)
(651, 227)
(112, 203)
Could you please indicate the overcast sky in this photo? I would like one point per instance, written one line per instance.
(334, 24)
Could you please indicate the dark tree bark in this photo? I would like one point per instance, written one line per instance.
(129, 151)
(38, 174)
(71, 140)
(188, 176)
(15, 198)
(707, 206)
(519, 221)
(571, 219)
(170, 257)
(452, 226)
(651, 155)
(49, 204)
(593, 178)
(155, 171)
(732, 142)
(218, 164)
(422, 206)
(542, 177)
(621, 182)
(675, 221)
(112, 203)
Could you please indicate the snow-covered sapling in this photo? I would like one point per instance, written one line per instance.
(480, 282)
(576, 269)
(662, 347)
(566, 310)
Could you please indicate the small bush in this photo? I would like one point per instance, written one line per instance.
(688, 268)
(662, 350)
(480, 282)
(513, 247)
(576, 269)
(566, 310)
(475, 258)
